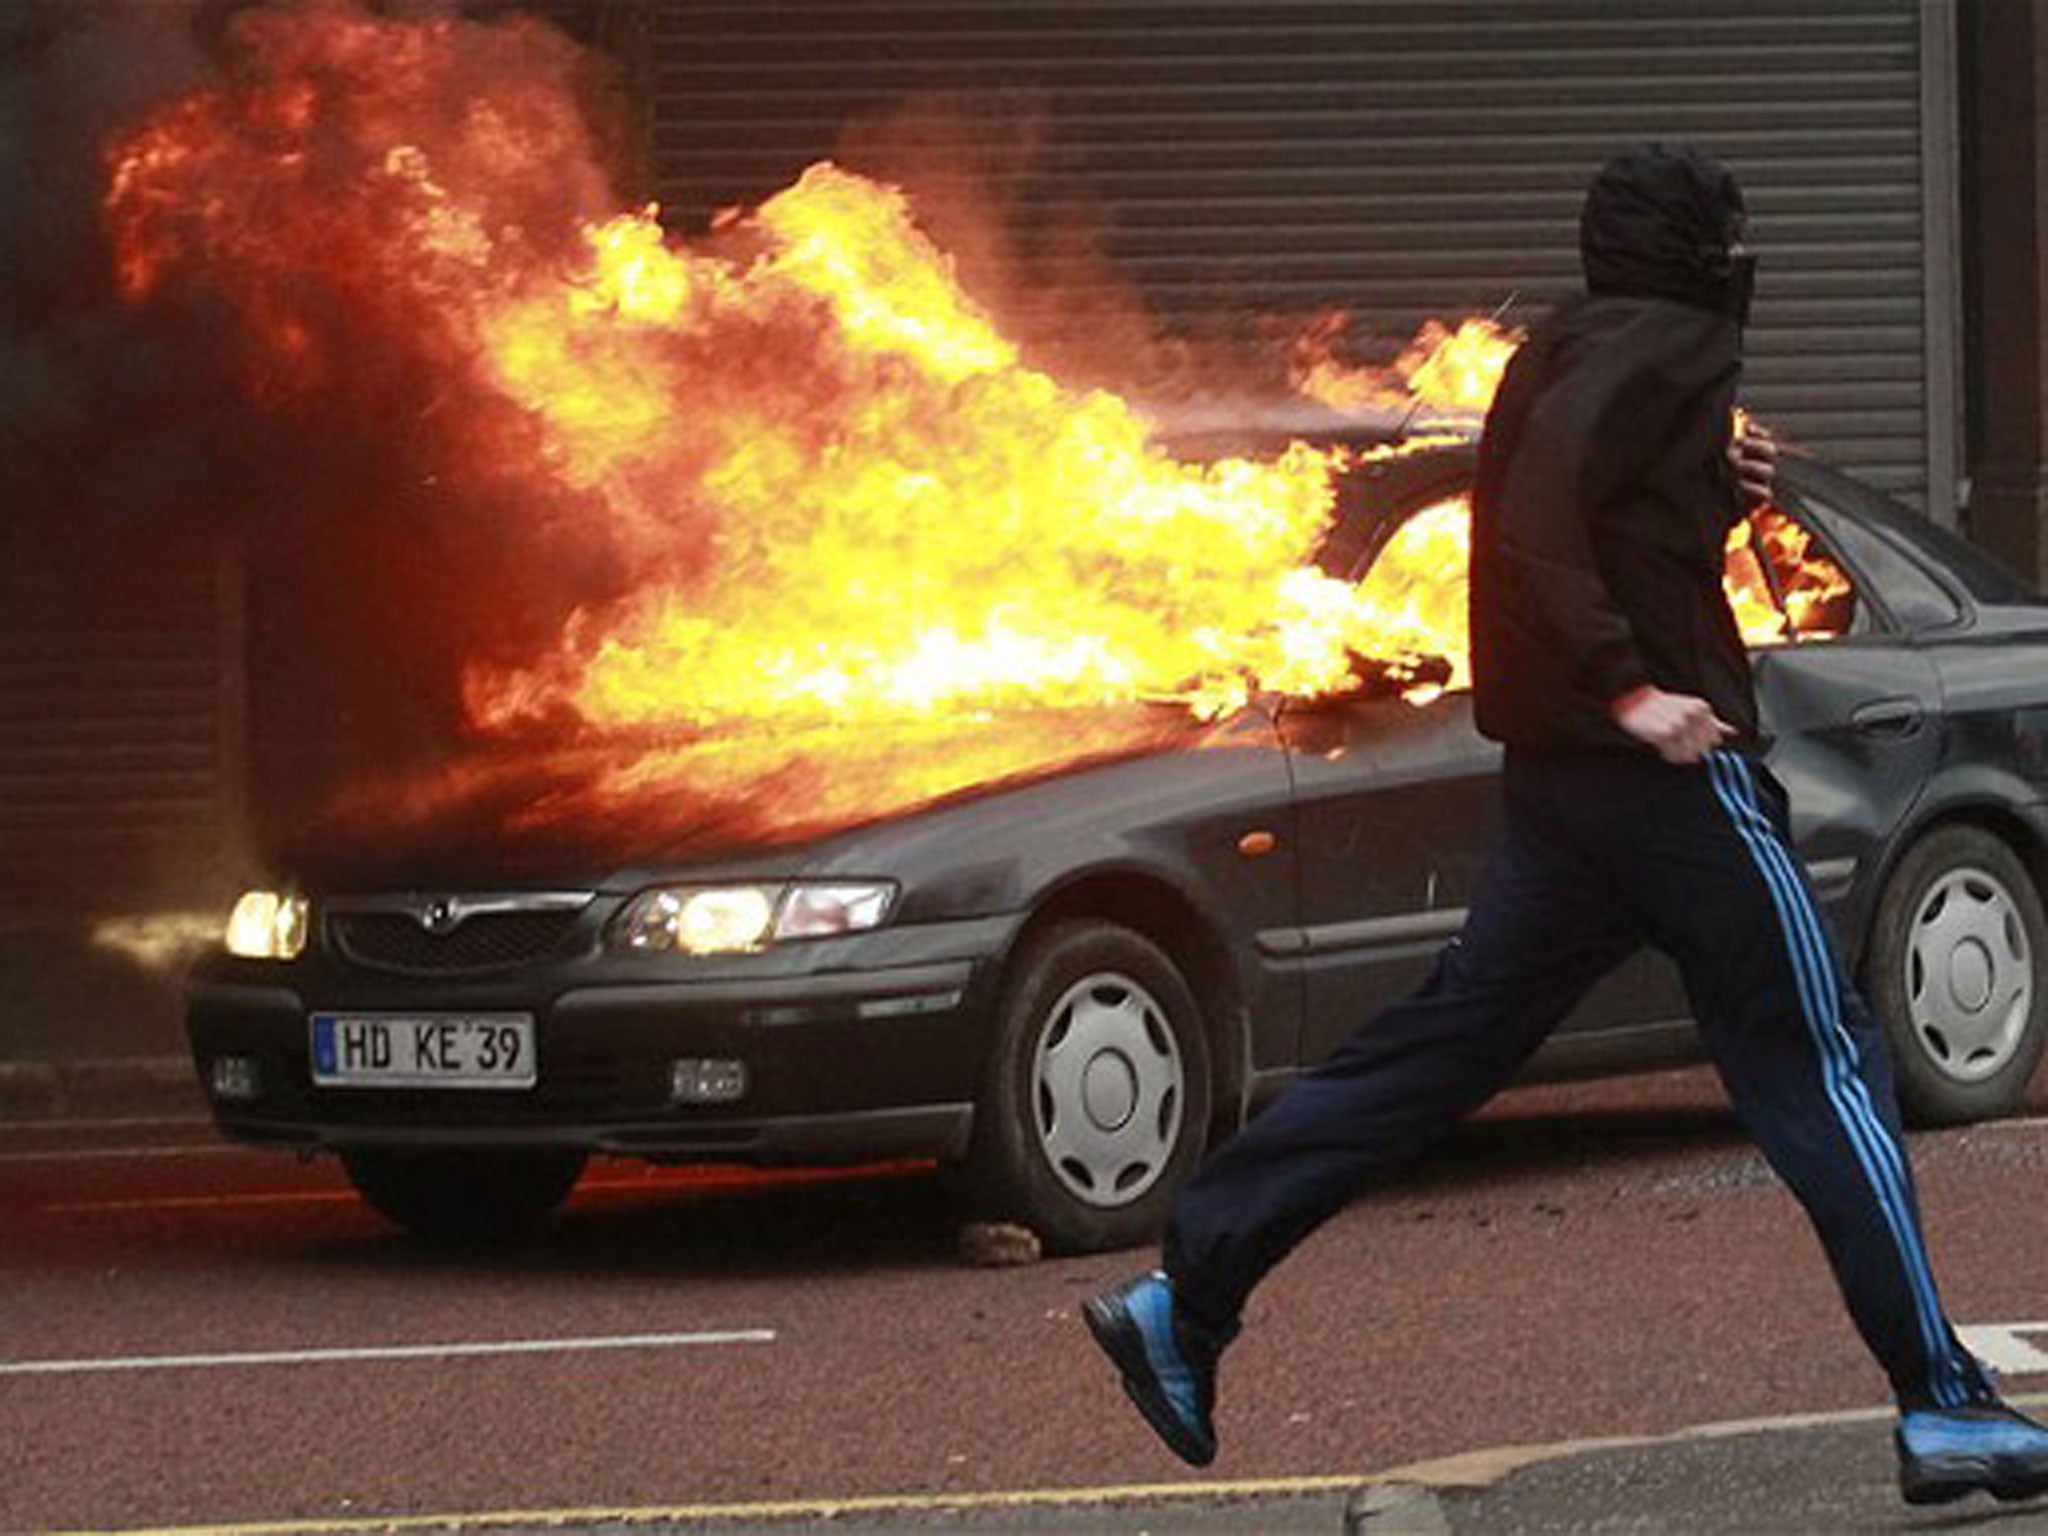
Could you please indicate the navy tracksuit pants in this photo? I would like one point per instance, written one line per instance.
(1604, 852)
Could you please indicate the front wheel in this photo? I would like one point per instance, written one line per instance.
(467, 1194)
(1095, 1099)
(1953, 973)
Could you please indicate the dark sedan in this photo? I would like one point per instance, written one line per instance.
(1063, 988)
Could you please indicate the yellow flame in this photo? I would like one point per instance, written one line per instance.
(833, 512)
(1444, 373)
(944, 529)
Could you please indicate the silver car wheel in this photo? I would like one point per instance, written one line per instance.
(1109, 1089)
(1969, 975)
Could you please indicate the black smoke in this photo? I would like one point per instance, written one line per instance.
(104, 419)
(139, 465)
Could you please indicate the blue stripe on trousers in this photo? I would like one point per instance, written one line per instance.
(1849, 1092)
(1813, 969)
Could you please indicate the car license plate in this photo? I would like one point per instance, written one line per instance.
(424, 1050)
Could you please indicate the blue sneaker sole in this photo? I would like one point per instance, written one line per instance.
(1120, 1339)
(1943, 1480)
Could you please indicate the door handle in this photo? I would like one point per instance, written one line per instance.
(1887, 717)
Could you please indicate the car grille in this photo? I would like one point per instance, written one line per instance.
(395, 941)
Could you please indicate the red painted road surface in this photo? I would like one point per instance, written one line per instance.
(1586, 1260)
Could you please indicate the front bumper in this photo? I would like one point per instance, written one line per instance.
(842, 1066)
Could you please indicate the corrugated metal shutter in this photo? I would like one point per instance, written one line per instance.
(1401, 158)
(115, 746)
(120, 744)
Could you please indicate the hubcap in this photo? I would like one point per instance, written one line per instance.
(1969, 975)
(1109, 1084)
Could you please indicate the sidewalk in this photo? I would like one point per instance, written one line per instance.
(1833, 1473)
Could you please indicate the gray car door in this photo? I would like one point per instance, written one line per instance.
(1397, 807)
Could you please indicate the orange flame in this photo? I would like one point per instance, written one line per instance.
(1443, 375)
(1804, 595)
(857, 552)
(929, 526)
(1411, 605)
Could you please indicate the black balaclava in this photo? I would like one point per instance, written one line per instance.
(1667, 224)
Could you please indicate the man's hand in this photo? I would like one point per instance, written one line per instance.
(1753, 454)
(1683, 729)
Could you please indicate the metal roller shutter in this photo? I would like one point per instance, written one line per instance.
(1409, 158)
(117, 734)
(120, 790)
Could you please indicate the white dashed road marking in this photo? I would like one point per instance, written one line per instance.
(98, 1154)
(381, 1352)
(2006, 1348)
(203, 1202)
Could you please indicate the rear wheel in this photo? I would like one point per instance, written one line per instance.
(463, 1193)
(1952, 969)
(1095, 1101)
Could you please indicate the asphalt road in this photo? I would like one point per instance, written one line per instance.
(194, 1335)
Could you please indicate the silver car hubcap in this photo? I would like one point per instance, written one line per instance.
(1109, 1087)
(1969, 975)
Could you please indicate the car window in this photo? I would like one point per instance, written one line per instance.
(1915, 600)
(1867, 514)
(1414, 592)
(1783, 585)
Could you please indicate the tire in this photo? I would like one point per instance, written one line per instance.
(463, 1194)
(1954, 972)
(1095, 1099)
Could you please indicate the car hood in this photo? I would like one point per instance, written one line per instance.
(615, 815)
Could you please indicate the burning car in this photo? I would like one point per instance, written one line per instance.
(1064, 984)
(748, 695)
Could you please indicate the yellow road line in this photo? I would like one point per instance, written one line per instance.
(781, 1509)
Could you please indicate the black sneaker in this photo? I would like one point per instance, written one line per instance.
(1168, 1361)
(1945, 1453)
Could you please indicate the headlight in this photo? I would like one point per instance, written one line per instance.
(727, 919)
(707, 921)
(813, 911)
(267, 925)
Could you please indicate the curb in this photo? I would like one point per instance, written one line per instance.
(1409, 1500)
(1395, 1509)
(106, 1088)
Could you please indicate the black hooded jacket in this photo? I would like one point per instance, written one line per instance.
(1604, 495)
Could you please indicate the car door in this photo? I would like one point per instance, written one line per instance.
(1396, 805)
(1397, 795)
